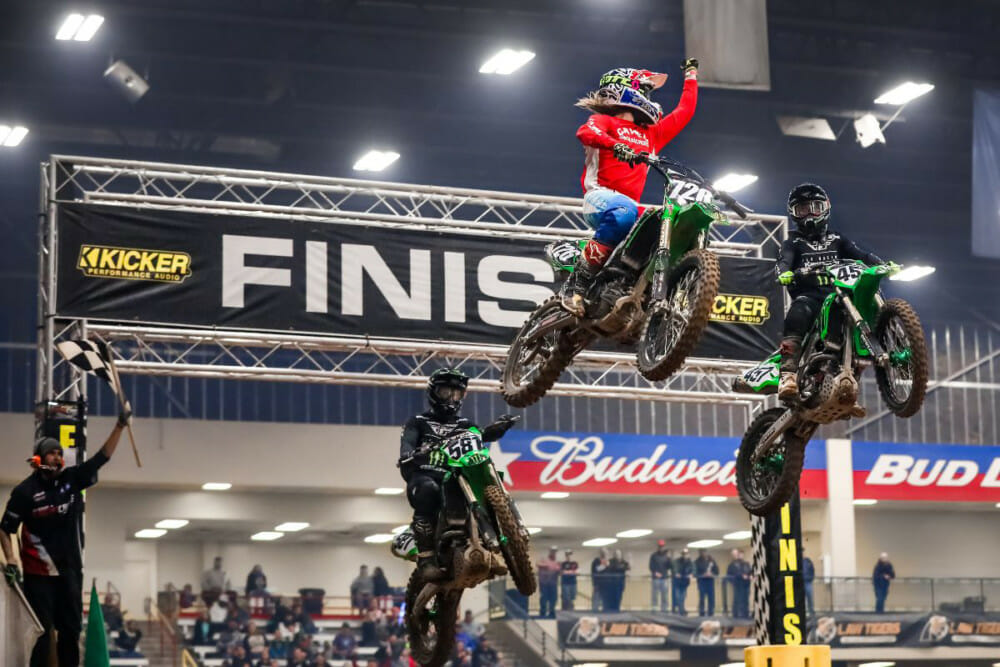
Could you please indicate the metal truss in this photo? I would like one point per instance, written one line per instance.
(341, 359)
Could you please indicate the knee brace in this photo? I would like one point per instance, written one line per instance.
(800, 316)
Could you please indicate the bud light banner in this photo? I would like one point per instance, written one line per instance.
(889, 471)
(635, 464)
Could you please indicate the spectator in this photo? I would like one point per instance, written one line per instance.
(202, 631)
(218, 612)
(231, 636)
(599, 575)
(304, 642)
(548, 583)
(619, 569)
(808, 576)
(369, 627)
(738, 576)
(683, 573)
(238, 658)
(278, 648)
(362, 589)
(464, 639)
(186, 598)
(288, 628)
(344, 644)
(881, 576)
(256, 581)
(303, 619)
(707, 570)
(485, 655)
(237, 613)
(213, 582)
(660, 568)
(381, 589)
(128, 640)
(471, 626)
(299, 658)
(461, 657)
(112, 613)
(320, 661)
(255, 642)
(568, 570)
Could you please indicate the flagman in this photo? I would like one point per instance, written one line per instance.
(48, 508)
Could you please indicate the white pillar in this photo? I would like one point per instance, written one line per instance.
(839, 557)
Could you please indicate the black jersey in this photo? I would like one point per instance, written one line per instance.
(422, 429)
(798, 252)
(49, 511)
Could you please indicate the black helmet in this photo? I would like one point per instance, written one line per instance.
(446, 389)
(809, 208)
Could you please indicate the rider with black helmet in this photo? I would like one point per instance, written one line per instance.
(810, 244)
(446, 388)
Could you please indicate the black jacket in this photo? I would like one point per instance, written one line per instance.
(419, 431)
(798, 252)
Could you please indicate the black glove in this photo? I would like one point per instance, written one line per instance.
(690, 65)
(625, 154)
(497, 429)
(12, 573)
(125, 415)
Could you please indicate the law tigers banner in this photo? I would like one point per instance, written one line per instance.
(255, 273)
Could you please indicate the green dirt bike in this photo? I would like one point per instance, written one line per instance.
(655, 291)
(856, 328)
(480, 535)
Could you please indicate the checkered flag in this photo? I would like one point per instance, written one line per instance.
(92, 358)
(760, 585)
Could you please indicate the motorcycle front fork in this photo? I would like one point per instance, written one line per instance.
(879, 355)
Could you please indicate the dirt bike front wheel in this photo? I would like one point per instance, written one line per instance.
(532, 368)
(674, 326)
(766, 486)
(903, 383)
(431, 628)
(516, 550)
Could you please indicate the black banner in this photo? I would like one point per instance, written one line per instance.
(195, 269)
(786, 621)
(628, 630)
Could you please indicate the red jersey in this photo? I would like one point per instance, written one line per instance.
(601, 132)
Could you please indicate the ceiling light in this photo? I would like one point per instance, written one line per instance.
(867, 131)
(150, 533)
(291, 526)
(904, 93)
(713, 499)
(12, 136)
(266, 536)
(379, 538)
(399, 529)
(732, 182)
(738, 535)
(733, 664)
(375, 160)
(865, 501)
(534, 530)
(555, 495)
(809, 128)
(69, 27)
(172, 523)
(216, 486)
(704, 544)
(89, 28)
(600, 542)
(877, 663)
(506, 61)
(913, 273)
(591, 664)
(634, 532)
(388, 491)
(998, 505)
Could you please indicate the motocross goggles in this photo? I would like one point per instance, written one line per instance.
(812, 207)
(449, 393)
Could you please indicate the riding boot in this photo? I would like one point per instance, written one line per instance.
(423, 535)
(788, 387)
(589, 262)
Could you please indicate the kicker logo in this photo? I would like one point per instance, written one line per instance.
(168, 266)
(740, 309)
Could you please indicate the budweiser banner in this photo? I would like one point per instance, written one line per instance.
(637, 630)
(634, 464)
(889, 471)
(177, 267)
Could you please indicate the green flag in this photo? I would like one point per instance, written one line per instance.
(96, 644)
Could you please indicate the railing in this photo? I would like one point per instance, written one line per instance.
(906, 594)
(502, 606)
(264, 605)
(169, 641)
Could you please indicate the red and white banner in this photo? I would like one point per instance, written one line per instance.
(890, 471)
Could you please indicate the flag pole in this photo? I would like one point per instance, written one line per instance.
(121, 400)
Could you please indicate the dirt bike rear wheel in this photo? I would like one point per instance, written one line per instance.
(673, 329)
(431, 630)
(904, 384)
(530, 371)
(768, 485)
(516, 550)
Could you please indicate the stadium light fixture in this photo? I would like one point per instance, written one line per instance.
(12, 136)
(79, 28)
(911, 273)
(150, 533)
(555, 495)
(388, 491)
(591, 664)
(172, 524)
(713, 499)
(878, 663)
(867, 130)
(704, 544)
(806, 127)
(634, 532)
(216, 486)
(904, 93)
(266, 536)
(379, 538)
(738, 535)
(865, 501)
(600, 542)
(506, 61)
(291, 526)
(732, 182)
(399, 529)
(375, 160)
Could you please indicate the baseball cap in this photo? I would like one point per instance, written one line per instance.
(661, 543)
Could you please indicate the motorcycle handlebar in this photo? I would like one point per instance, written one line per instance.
(661, 164)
